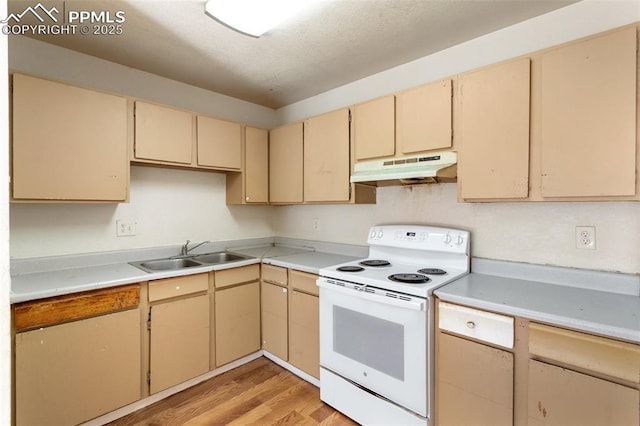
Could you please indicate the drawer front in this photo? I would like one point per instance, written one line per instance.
(274, 275)
(304, 281)
(485, 326)
(59, 309)
(244, 274)
(178, 286)
(599, 354)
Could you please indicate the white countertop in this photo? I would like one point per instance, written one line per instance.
(310, 262)
(610, 314)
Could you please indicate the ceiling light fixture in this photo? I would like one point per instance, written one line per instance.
(254, 17)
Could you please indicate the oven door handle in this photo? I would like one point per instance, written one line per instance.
(416, 305)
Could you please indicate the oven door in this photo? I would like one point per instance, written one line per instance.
(377, 339)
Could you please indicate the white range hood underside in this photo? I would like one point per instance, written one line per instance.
(426, 168)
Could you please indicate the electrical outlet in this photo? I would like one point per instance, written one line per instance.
(586, 237)
(316, 224)
(125, 228)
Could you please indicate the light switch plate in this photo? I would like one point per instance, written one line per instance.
(125, 228)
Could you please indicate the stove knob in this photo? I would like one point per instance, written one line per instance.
(373, 233)
(459, 240)
(447, 238)
(379, 234)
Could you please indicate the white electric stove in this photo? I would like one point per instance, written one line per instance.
(376, 323)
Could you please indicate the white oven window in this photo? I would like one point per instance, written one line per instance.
(372, 341)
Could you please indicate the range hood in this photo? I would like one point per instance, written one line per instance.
(427, 168)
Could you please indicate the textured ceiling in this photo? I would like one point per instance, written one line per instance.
(333, 43)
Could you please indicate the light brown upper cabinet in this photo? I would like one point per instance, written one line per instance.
(494, 132)
(285, 164)
(423, 118)
(374, 128)
(326, 157)
(219, 143)
(68, 143)
(588, 117)
(163, 134)
(252, 184)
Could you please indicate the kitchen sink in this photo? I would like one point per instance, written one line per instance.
(178, 263)
(219, 257)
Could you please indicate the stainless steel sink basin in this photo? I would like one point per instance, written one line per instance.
(174, 264)
(168, 264)
(219, 257)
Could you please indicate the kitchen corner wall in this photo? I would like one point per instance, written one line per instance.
(541, 233)
(167, 205)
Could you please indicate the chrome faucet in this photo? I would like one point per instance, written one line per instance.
(186, 249)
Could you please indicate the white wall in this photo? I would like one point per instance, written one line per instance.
(169, 206)
(5, 279)
(542, 233)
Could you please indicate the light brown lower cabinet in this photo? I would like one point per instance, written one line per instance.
(237, 322)
(73, 372)
(304, 340)
(274, 300)
(475, 383)
(179, 348)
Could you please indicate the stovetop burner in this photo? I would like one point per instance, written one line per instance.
(375, 262)
(409, 278)
(432, 271)
(350, 268)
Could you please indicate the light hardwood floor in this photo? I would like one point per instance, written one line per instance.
(259, 393)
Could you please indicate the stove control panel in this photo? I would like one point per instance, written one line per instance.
(420, 238)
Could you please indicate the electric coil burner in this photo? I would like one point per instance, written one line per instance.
(431, 271)
(376, 263)
(410, 278)
(350, 268)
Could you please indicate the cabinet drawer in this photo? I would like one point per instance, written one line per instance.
(599, 354)
(71, 307)
(178, 286)
(274, 275)
(244, 274)
(485, 326)
(304, 282)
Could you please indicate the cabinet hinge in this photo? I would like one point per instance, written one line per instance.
(149, 378)
(149, 320)
(349, 116)
(350, 191)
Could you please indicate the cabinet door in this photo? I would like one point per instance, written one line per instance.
(304, 337)
(274, 319)
(285, 164)
(494, 132)
(326, 157)
(71, 373)
(219, 143)
(563, 397)
(179, 341)
(256, 165)
(589, 118)
(423, 118)
(474, 383)
(237, 322)
(68, 143)
(163, 134)
(374, 128)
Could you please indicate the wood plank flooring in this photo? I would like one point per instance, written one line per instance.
(258, 393)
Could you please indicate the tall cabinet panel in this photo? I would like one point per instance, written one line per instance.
(423, 118)
(68, 143)
(589, 118)
(285, 164)
(256, 165)
(494, 132)
(326, 157)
